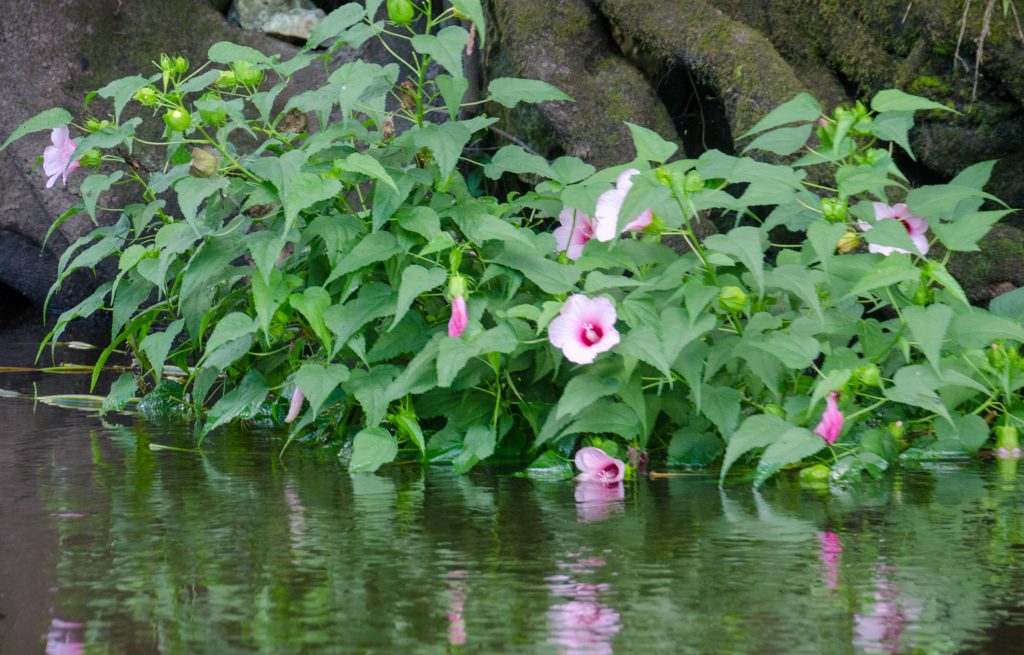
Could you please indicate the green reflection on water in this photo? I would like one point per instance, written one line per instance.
(235, 551)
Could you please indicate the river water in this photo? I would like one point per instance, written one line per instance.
(109, 546)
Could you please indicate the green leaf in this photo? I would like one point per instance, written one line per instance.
(964, 234)
(374, 300)
(121, 91)
(44, 120)
(455, 352)
(890, 233)
(783, 141)
(745, 244)
(369, 388)
(801, 109)
(722, 406)
(614, 418)
(569, 170)
(894, 126)
(514, 159)
(445, 141)
(1009, 304)
(334, 23)
(307, 189)
(978, 329)
(550, 276)
(823, 238)
(694, 447)
(890, 270)
(156, 345)
(93, 186)
(755, 432)
(121, 391)
(968, 433)
(510, 91)
(364, 84)
(416, 280)
(370, 250)
(650, 145)
(582, 391)
(928, 326)
(896, 100)
(550, 466)
(371, 449)
(800, 281)
(794, 445)
(475, 11)
(446, 47)
(318, 381)
(644, 343)
(479, 445)
(367, 165)
(229, 328)
(241, 402)
(796, 352)
(225, 52)
(453, 90)
(312, 303)
(916, 385)
(193, 190)
(939, 201)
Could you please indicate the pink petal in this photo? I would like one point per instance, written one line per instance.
(920, 242)
(883, 210)
(562, 331)
(59, 135)
(52, 179)
(624, 181)
(641, 221)
(578, 353)
(596, 465)
(457, 323)
(606, 216)
(296, 405)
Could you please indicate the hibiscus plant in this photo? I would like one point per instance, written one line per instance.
(323, 261)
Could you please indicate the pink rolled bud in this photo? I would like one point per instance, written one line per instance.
(296, 405)
(457, 323)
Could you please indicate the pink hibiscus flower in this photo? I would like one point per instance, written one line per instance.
(57, 160)
(457, 323)
(916, 228)
(575, 229)
(831, 421)
(595, 465)
(584, 328)
(609, 206)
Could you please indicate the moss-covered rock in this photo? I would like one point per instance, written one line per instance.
(997, 268)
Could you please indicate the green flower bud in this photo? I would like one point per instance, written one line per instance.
(147, 96)
(166, 63)
(870, 375)
(227, 79)
(997, 358)
(246, 73)
(834, 209)
(693, 182)
(457, 286)
(93, 125)
(180, 64)
(848, 242)
(733, 299)
(897, 430)
(178, 119)
(401, 11)
(91, 158)
(454, 259)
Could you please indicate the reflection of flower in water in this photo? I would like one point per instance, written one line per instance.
(456, 604)
(595, 501)
(62, 640)
(583, 624)
(296, 521)
(830, 555)
(881, 629)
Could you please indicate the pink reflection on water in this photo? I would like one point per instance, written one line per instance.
(62, 640)
(596, 501)
(69, 515)
(457, 590)
(880, 627)
(583, 624)
(830, 554)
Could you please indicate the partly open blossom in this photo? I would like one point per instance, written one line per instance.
(457, 323)
(609, 206)
(295, 406)
(831, 421)
(584, 328)
(575, 229)
(57, 160)
(595, 465)
(915, 225)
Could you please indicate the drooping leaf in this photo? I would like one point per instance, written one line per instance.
(757, 431)
(446, 47)
(896, 100)
(792, 446)
(582, 391)
(801, 109)
(650, 145)
(318, 381)
(372, 448)
(241, 402)
(928, 326)
(514, 159)
(510, 91)
(416, 281)
(45, 120)
(479, 444)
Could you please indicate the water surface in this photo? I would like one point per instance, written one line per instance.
(107, 546)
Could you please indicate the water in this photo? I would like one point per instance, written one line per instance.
(109, 547)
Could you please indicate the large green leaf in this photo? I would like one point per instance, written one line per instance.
(416, 280)
(550, 276)
(792, 446)
(370, 250)
(45, 120)
(334, 24)
(229, 328)
(445, 141)
(510, 91)
(156, 345)
(928, 326)
(801, 109)
(121, 92)
(374, 300)
(582, 391)
(312, 303)
(224, 52)
(755, 432)
(783, 141)
(746, 244)
(455, 352)
(362, 163)
(514, 159)
(479, 445)
(318, 381)
(371, 449)
(446, 47)
(896, 100)
(241, 402)
(650, 145)
(475, 11)
(722, 406)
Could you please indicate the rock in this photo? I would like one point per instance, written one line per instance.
(999, 266)
(294, 25)
(255, 14)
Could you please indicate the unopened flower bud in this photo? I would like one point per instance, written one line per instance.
(457, 286)
(91, 158)
(834, 209)
(848, 242)
(147, 96)
(1007, 437)
(897, 430)
(246, 73)
(205, 163)
(997, 356)
(693, 182)
(93, 124)
(733, 299)
(166, 63)
(227, 79)
(178, 119)
(455, 259)
(869, 376)
(401, 11)
(180, 64)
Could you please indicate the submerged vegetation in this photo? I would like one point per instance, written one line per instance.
(337, 261)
